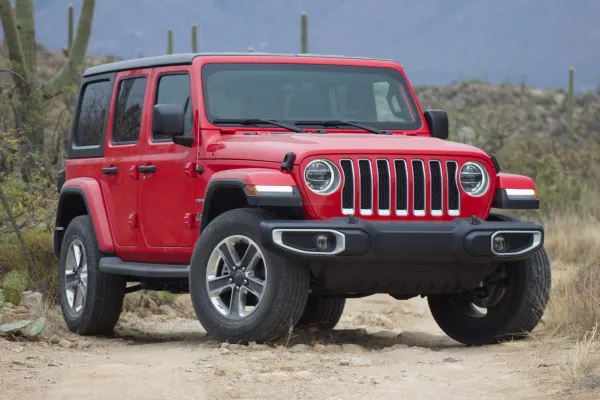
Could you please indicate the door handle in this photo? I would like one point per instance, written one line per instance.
(147, 168)
(110, 170)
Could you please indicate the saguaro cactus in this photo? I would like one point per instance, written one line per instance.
(70, 27)
(19, 35)
(570, 99)
(194, 38)
(169, 41)
(304, 33)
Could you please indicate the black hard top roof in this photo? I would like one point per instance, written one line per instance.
(187, 58)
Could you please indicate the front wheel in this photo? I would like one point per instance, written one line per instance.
(514, 298)
(240, 291)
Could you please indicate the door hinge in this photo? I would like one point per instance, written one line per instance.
(190, 220)
(133, 172)
(190, 169)
(133, 220)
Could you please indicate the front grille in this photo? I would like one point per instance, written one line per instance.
(402, 186)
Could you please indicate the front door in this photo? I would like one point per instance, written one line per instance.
(166, 175)
(121, 155)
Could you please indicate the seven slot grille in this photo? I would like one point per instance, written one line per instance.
(408, 179)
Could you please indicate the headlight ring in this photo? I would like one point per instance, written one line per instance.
(474, 179)
(322, 176)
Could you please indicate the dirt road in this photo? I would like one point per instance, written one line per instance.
(381, 349)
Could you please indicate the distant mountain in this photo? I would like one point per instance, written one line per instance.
(437, 41)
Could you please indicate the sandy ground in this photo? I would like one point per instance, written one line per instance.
(381, 349)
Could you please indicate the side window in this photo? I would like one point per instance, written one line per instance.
(128, 110)
(175, 89)
(92, 113)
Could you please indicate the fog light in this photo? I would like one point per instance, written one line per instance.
(322, 241)
(500, 243)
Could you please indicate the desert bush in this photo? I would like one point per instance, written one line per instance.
(574, 307)
(39, 245)
(14, 284)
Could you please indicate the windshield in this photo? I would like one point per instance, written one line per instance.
(289, 93)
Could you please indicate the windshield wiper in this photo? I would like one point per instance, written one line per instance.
(341, 123)
(258, 121)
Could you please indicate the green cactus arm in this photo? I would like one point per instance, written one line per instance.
(11, 37)
(70, 27)
(25, 21)
(68, 74)
(304, 33)
(169, 41)
(194, 39)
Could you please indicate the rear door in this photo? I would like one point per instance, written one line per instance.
(167, 185)
(123, 146)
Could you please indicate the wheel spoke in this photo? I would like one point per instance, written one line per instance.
(255, 286)
(71, 282)
(251, 257)
(78, 256)
(75, 295)
(235, 305)
(228, 255)
(217, 285)
(82, 290)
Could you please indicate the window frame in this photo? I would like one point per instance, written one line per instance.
(93, 151)
(190, 105)
(116, 103)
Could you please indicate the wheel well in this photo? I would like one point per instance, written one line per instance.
(227, 198)
(223, 199)
(70, 206)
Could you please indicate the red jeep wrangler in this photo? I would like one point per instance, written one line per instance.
(274, 187)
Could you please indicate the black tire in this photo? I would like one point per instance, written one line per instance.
(103, 301)
(518, 312)
(283, 297)
(322, 313)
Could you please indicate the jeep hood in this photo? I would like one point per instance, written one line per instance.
(273, 147)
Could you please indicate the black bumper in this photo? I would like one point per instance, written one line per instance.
(462, 241)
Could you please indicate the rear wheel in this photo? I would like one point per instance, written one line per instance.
(91, 301)
(242, 292)
(508, 305)
(322, 313)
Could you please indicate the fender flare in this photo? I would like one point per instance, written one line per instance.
(262, 187)
(516, 192)
(91, 193)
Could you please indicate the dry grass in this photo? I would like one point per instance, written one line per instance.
(585, 358)
(572, 238)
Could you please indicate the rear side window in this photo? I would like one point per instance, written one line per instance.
(92, 113)
(175, 89)
(128, 110)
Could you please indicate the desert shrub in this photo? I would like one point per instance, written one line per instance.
(39, 244)
(14, 284)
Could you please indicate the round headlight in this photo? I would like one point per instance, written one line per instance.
(322, 176)
(474, 179)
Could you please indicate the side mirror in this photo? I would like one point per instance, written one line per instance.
(437, 121)
(169, 120)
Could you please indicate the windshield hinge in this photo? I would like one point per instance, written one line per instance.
(288, 162)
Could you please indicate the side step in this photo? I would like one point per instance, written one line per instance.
(114, 265)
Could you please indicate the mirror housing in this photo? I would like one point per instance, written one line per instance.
(169, 120)
(437, 121)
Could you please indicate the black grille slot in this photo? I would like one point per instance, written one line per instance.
(453, 194)
(401, 186)
(366, 186)
(383, 174)
(418, 186)
(348, 188)
(435, 169)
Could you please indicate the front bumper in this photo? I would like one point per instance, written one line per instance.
(462, 241)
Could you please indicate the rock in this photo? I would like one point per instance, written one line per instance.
(273, 377)
(167, 311)
(32, 300)
(360, 361)
(353, 348)
(143, 312)
(219, 372)
(345, 363)
(385, 335)
(224, 351)
(54, 339)
(303, 375)
(66, 344)
(300, 348)
(225, 345)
